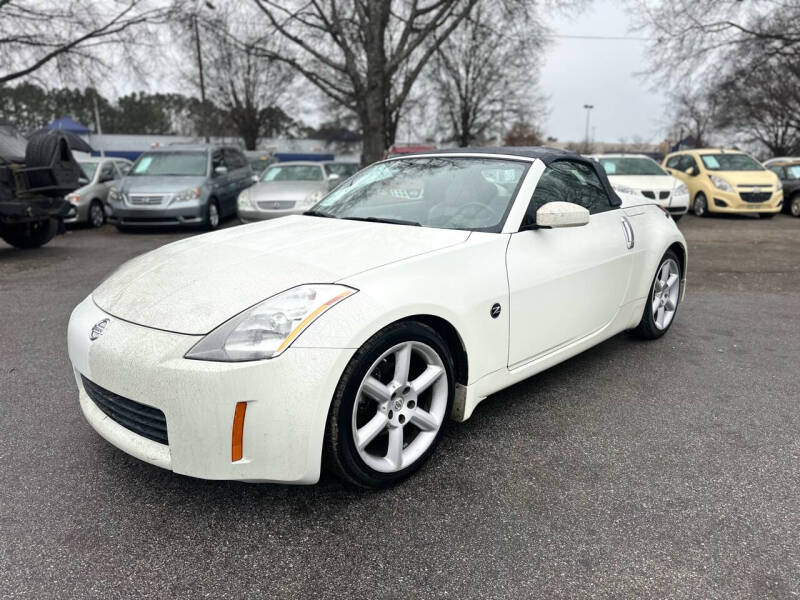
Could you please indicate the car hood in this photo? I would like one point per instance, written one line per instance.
(284, 190)
(193, 285)
(747, 178)
(144, 184)
(645, 182)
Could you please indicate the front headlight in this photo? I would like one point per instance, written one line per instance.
(680, 191)
(720, 183)
(243, 201)
(778, 185)
(186, 195)
(114, 195)
(624, 189)
(268, 328)
(312, 199)
(73, 198)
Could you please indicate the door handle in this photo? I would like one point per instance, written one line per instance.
(627, 229)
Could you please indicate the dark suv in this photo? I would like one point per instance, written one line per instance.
(180, 185)
(788, 170)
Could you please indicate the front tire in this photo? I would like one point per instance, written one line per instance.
(212, 219)
(97, 216)
(390, 407)
(794, 206)
(662, 302)
(700, 205)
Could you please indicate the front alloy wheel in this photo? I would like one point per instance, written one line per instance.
(665, 293)
(794, 206)
(96, 214)
(390, 406)
(700, 205)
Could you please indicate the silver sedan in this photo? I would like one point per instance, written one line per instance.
(89, 202)
(291, 188)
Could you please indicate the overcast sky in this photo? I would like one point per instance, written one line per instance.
(602, 73)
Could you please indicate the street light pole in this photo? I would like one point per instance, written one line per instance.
(588, 108)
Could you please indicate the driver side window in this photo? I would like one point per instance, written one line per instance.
(568, 181)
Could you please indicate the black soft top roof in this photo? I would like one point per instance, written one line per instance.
(544, 153)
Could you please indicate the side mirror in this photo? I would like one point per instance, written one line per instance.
(220, 170)
(561, 214)
(691, 171)
(254, 178)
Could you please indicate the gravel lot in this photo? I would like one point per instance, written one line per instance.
(636, 470)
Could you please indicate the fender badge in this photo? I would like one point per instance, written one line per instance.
(98, 329)
(495, 310)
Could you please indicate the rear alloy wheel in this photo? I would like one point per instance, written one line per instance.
(700, 205)
(97, 217)
(390, 406)
(665, 293)
(794, 206)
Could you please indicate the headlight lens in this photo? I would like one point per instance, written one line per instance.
(778, 185)
(114, 195)
(720, 183)
(186, 195)
(268, 328)
(680, 191)
(313, 198)
(243, 201)
(73, 198)
(624, 189)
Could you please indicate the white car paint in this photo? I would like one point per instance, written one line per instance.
(659, 189)
(561, 290)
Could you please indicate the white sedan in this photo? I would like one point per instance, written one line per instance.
(348, 335)
(637, 176)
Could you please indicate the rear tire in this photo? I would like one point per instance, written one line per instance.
(700, 205)
(30, 235)
(399, 432)
(662, 301)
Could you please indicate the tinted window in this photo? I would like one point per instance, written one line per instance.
(89, 169)
(673, 162)
(793, 172)
(778, 171)
(123, 167)
(630, 165)
(234, 159)
(567, 181)
(107, 172)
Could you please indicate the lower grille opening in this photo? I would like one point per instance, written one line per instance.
(143, 420)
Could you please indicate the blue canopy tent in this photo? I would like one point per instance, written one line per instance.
(68, 124)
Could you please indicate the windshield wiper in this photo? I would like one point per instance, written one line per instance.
(383, 220)
(319, 213)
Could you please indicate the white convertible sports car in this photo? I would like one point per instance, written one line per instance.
(346, 336)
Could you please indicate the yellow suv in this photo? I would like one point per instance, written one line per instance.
(726, 181)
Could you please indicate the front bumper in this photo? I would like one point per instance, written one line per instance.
(251, 215)
(187, 214)
(287, 400)
(732, 202)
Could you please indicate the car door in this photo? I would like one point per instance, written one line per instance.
(567, 283)
(220, 182)
(107, 177)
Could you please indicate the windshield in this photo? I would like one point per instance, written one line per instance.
(631, 166)
(293, 173)
(174, 164)
(730, 162)
(444, 192)
(88, 168)
(343, 170)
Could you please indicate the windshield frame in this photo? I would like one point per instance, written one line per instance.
(514, 197)
(132, 171)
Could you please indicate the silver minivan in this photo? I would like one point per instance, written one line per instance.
(180, 185)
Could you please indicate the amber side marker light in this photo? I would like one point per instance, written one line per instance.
(238, 431)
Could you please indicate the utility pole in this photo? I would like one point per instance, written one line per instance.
(588, 108)
(202, 79)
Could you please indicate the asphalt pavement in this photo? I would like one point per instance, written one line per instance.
(666, 469)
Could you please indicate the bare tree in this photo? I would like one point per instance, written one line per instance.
(697, 114)
(67, 34)
(364, 54)
(241, 80)
(484, 75)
